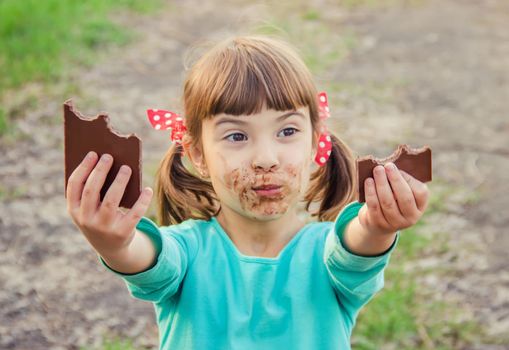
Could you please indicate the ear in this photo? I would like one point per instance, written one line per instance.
(195, 155)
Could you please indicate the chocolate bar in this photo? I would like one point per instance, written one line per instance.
(416, 162)
(82, 135)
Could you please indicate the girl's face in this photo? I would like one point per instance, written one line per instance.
(260, 164)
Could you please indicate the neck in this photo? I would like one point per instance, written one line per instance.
(259, 238)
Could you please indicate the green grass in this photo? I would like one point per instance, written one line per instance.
(41, 40)
(404, 315)
(38, 37)
(3, 121)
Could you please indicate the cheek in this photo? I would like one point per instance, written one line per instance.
(237, 179)
(292, 175)
(230, 174)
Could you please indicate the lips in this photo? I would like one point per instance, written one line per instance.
(267, 187)
(268, 190)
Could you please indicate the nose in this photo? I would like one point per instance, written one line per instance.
(265, 157)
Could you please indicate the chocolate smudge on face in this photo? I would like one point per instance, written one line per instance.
(241, 181)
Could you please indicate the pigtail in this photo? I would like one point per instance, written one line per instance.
(333, 185)
(181, 194)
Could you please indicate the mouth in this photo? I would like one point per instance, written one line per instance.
(266, 187)
(268, 190)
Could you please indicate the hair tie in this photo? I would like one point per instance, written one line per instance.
(163, 120)
(324, 141)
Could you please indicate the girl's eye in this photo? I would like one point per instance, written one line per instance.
(238, 137)
(293, 131)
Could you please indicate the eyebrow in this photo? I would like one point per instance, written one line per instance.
(237, 120)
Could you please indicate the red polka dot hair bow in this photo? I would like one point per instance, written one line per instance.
(324, 142)
(163, 120)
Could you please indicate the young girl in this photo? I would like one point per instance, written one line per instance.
(234, 266)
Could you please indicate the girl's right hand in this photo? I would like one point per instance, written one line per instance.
(108, 230)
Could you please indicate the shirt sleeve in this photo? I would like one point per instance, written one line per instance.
(355, 278)
(163, 278)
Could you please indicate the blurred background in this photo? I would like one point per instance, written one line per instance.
(419, 72)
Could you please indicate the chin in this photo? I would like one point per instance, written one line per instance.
(266, 214)
(268, 217)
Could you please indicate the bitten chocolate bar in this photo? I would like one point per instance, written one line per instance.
(82, 135)
(416, 162)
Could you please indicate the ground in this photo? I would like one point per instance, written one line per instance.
(423, 73)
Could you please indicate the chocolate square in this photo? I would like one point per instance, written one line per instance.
(82, 135)
(416, 162)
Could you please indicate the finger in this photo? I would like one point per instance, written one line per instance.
(375, 214)
(77, 180)
(402, 191)
(386, 197)
(109, 207)
(133, 216)
(94, 184)
(419, 189)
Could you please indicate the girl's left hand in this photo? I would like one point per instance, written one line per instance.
(389, 210)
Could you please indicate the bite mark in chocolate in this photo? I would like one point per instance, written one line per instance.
(415, 161)
(82, 135)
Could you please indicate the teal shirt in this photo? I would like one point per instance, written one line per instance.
(208, 295)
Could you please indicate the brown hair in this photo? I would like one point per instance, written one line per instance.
(237, 76)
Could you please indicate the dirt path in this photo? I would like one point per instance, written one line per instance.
(437, 77)
(446, 63)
